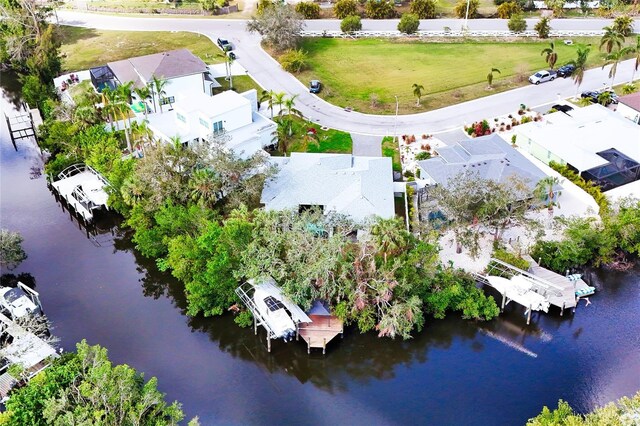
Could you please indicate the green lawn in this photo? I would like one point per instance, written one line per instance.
(328, 141)
(83, 48)
(365, 74)
(241, 83)
(391, 149)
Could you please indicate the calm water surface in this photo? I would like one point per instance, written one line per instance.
(95, 286)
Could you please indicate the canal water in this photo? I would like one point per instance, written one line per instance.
(94, 285)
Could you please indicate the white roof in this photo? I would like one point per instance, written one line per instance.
(212, 106)
(579, 135)
(356, 186)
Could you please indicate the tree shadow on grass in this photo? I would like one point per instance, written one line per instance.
(70, 35)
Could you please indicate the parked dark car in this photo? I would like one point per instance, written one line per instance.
(231, 55)
(593, 95)
(315, 86)
(224, 45)
(566, 70)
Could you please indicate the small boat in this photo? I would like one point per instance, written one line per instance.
(19, 301)
(274, 312)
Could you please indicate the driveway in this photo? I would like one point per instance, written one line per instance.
(268, 73)
(366, 146)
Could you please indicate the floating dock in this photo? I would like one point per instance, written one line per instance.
(83, 188)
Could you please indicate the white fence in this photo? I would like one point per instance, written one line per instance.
(468, 33)
(568, 5)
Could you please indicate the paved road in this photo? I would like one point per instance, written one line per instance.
(268, 73)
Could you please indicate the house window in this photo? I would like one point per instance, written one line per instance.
(217, 127)
(167, 100)
(181, 118)
(204, 123)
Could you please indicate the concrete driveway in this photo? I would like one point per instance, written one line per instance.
(366, 145)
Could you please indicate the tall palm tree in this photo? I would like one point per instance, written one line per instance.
(289, 109)
(109, 105)
(581, 65)
(282, 137)
(417, 92)
(490, 76)
(388, 236)
(552, 55)
(278, 100)
(123, 102)
(636, 51)
(228, 61)
(611, 39)
(143, 93)
(158, 85)
(544, 192)
(613, 59)
(268, 96)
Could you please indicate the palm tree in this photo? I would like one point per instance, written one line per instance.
(228, 61)
(611, 39)
(545, 193)
(417, 92)
(552, 55)
(613, 59)
(205, 187)
(109, 100)
(388, 236)
(278, 100)
(490, 76)
(581, 65)
(282, 137)
(268, 96)
(624, 25)
(158, 85)
(604, 98)
(636, 51)
(143, 93)
(288, 109)
(123, 102)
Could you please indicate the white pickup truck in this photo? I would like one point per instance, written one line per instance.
(542, 76)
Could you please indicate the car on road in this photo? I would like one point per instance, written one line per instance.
(224, 44)
(593, 96)
(566, 70)
(542, 76)
(315, 86)
(231, 55)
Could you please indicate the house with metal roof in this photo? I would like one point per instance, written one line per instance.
(360, 187)
(629, 107)
(184, 72)
(490, 157)
(600, 144)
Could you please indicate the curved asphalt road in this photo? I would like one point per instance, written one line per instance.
(268, 73)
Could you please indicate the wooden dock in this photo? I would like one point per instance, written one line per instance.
(320, 331)
(24, 124)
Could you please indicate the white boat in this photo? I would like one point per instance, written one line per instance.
(521, 290)
(274, 313)
(19, 301)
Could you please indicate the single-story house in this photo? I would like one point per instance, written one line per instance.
(360, 187)
(196, 118)
(598, 143)
(491, 157)
(629, 107)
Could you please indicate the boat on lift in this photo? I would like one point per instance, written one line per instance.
(273, 311)
(20, 301)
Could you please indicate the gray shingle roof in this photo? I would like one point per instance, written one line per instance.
(488, 156)
(166, 65)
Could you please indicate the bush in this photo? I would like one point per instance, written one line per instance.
(308, 9)
(588, 187)
(423, 155)
(543, 27)
(629, 88)
(409, 23)
(517, 24)
(508, 9)
(294, 60)
(344, 8)
(350, 24)
(382, 9)
(461, 8)
(424, 9)
(510, 258)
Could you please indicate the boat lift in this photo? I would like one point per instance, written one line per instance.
(83, 188)
(246, 292)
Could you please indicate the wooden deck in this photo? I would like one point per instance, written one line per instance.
(321, 331)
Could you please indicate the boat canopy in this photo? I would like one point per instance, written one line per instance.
(269, 287)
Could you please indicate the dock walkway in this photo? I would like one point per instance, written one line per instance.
(320, 331)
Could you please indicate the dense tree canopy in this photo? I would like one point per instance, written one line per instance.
(279, 26)
(85, 388)
(11, 252)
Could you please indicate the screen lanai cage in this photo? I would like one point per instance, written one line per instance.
(620, 170)
(102, 77)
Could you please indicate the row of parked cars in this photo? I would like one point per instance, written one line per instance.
(550, 75)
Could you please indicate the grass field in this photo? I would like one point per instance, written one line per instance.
(391, 149)
(329, 141)
(241, 83)
(365, 74)
(83, 48)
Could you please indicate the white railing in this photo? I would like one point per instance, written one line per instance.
(452, 33)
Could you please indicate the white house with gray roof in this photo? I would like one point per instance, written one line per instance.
(491, 157)
(360, 187)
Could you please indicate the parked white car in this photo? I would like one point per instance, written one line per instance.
(542, 76)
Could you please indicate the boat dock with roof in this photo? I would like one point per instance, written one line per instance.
(536, 289)
(83, 188)
(282, 318)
